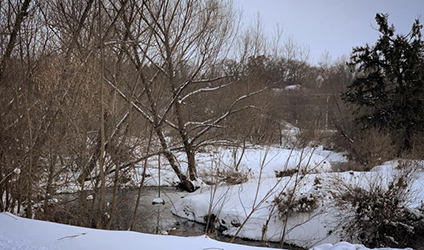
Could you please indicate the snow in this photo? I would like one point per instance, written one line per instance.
(252, 203)
(26, 234)
(344, 246)
(20, 233)
(311, 222)
(272, 160)
(158, 201)
(331, 156)
(293, 87)
(266, 161)
(232, 204)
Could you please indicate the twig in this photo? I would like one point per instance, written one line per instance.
(71, 236)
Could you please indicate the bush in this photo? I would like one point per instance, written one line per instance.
(234, 177)
(417, 151)
(378, 215)
(225, 174)
(301, 204)
(289, 202)
(314, 137)
(366, 147)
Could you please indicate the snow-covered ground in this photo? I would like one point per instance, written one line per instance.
(224, 160)
(24, 234)
(248, 210)
(250, 162)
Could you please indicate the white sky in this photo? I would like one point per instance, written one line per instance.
(331, 25)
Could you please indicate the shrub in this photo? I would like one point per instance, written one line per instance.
(226, 174)
(314, 137)
(302, 204)
(284, 173)
(366, 147)
(417, 151)
(292, 201)
(234, 177)
(378, 215)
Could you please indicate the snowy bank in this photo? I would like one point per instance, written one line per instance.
(251, 210)
(249, 162)
(20, 233)
(252, 161)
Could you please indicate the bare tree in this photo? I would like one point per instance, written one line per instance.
(174, 46)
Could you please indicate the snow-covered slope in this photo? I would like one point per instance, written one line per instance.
(24, 234)
(249, 209)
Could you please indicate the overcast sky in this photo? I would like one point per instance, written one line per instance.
(331, 25)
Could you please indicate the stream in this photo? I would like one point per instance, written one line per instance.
(158, 219)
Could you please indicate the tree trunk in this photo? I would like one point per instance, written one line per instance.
(143, 177)
(2, 190)
(99, 222)
(188, 147)
(117, 171)
(49, 185)
(13, 36)
(191, 161)
(407, 145)
(30, 163)
(81, 179)
(185, 184)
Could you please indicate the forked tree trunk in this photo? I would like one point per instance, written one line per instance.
(188, 146)
(185, 184)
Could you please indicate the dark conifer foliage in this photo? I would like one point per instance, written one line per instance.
(389, 89)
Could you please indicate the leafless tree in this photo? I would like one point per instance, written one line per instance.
(174, 46)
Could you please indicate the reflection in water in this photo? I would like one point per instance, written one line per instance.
(154, 218)
(159, 219)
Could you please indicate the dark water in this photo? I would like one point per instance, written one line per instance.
(340, 166)
(154, 218)
(159, 219)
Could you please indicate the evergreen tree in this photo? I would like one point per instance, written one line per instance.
(388, 91)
